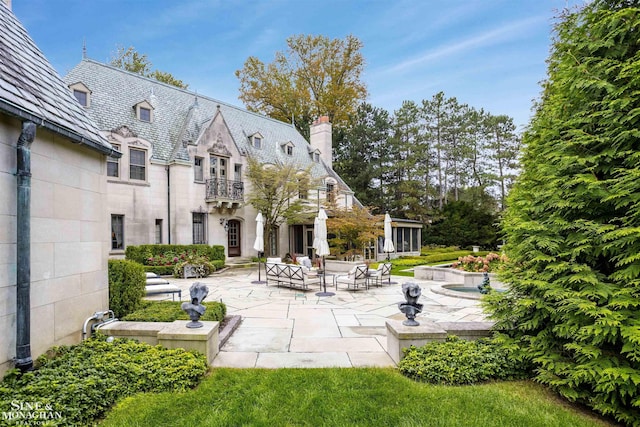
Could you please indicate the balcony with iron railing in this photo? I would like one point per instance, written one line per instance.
(225, 192)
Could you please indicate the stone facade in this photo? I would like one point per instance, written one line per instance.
(66, 278)
(196, 151)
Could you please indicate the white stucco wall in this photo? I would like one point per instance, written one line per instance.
(69, 239)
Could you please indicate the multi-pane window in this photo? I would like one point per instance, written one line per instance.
(406, 239)
(257, 142)
(82, 97)
(113, 164)
(303, 188)
(316, 157)
(198, 169)
(137, 164)
(331, 196)
(237, 172)
(289, 150)
(158, 231)
(144, 114)
(117, 231)
(199, 228)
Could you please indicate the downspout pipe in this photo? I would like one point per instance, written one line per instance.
(24, 361)
(169, 204)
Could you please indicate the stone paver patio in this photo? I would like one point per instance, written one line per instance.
(291, 328)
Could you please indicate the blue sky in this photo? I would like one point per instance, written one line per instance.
(487, 53)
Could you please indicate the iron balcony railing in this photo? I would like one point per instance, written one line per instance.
(224, 190)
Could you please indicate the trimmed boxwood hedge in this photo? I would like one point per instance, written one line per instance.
(168, 311)
(141, 253)
(458, 361)
(82, 382)
(126, 286)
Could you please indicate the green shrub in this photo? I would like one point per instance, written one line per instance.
(201, 265)
(458, 361)
(82, 382)
(430, 250)
(126, 286)
(160, 270)
(142, 253)
(168, 311)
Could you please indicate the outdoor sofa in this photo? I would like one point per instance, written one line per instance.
(290, 275)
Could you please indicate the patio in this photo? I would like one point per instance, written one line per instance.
(282, 327)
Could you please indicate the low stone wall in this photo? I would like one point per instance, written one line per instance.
(169, 335)
(443, 273)
(400, 336)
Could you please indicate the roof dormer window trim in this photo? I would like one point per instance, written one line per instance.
(315, 155)
(144, 112)
(81, 93)
(287, 148)
(256, 140)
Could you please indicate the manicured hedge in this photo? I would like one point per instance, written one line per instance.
(126, 286)
(430, 259)
(168, 311)
(80, 383)
(458, 361)
(141, 253)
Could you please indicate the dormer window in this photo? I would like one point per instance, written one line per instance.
(287, 147)
(144, 111)
(81, 93)
(145, 114)
(82, 97)
(256, 141)
(315, 155)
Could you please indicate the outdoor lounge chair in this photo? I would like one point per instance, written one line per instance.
(156, 285)
(357, 278)
(381, 273)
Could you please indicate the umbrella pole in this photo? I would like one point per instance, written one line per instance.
(259, 281)
(324, 282)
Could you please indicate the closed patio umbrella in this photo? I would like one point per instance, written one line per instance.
(259, 243)
(388, 241)
(322, 246)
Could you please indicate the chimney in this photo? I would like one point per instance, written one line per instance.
(320, 139)
(7, 3)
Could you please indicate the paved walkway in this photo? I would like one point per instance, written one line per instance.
(291, 328)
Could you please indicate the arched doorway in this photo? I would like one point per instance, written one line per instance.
(234, 238)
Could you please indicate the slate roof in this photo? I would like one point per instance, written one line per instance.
(180, 115)
(30, 88)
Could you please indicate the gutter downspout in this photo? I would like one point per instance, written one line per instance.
(24, 362)
(169, 204)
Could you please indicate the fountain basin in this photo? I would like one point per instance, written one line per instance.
(458, 290)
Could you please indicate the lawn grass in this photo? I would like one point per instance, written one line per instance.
(346, 397)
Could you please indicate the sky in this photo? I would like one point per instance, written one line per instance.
(488, 54)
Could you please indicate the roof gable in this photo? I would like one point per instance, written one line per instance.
(31, 89)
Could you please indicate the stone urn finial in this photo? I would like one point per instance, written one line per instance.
(195, 309)
(411, 307)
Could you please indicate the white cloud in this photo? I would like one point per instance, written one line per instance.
(491, 37)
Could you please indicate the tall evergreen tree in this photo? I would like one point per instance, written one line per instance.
(573, 218)
(503, 148)
(361, 154)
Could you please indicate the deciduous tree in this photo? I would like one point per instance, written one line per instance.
(315, 76)
(131, 60)
(274, 191)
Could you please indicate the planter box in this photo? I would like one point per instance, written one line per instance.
(190, 271)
